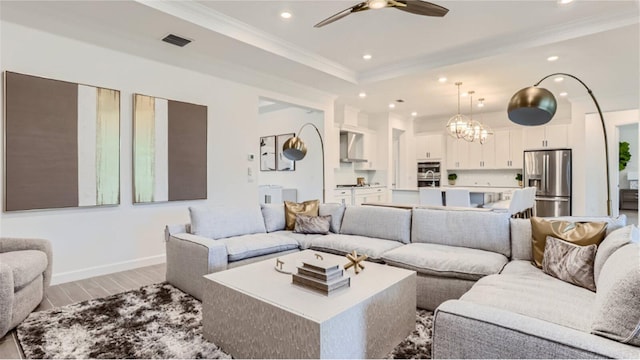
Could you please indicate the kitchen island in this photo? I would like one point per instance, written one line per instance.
(479, 194)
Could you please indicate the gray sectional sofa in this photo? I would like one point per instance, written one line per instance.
(472, 266)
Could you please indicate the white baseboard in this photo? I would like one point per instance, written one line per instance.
(106, 269)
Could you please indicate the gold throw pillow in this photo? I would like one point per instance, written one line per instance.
(579, 233)
(309, 208)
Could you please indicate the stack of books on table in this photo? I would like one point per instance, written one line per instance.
(321, 276)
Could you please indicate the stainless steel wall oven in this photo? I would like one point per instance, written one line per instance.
(428, 173)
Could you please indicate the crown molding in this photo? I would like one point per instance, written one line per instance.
(210, 19)
(500, 45)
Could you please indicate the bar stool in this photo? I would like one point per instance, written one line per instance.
(430, 196)
(458, 197)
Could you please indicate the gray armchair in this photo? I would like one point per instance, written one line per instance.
(25, 275)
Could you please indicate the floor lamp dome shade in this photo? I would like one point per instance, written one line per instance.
(532, 106)
(294, 149)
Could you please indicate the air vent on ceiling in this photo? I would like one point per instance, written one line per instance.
(176, 40)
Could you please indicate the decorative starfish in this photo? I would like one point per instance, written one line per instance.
(355, 261)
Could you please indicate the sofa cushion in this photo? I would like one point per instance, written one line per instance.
(569, 262)
(617, 304)
(341, 244)
(483, 230)
(336, 211)
(304, 240)
(521, 232)
(446, 261)
(291, 209)
(273, 215)
(248, 246)
(579, 233)
(223, 222)
(614, 241)
(377, 222)
(25, 265)
(535, 294)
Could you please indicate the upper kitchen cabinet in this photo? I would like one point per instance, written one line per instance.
(508, 148)
(370, 153)
(481, 156)
(358, 147)
(457, 153)
(548, 136)
(429, 147)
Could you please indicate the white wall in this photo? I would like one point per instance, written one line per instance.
(589, 180)
(629, 133)
(91, 241)
(307, 177)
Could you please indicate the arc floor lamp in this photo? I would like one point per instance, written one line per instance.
(295, 149)
(534, 106)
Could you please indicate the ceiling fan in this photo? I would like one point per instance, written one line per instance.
(413, 6)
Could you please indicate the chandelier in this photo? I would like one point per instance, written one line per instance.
(458, 125)
(461, 127)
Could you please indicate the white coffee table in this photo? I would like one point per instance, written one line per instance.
(254, 311)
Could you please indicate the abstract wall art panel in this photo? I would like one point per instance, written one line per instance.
(169, 150)
(62, 144)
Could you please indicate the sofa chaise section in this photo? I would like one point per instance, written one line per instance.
(525, 313)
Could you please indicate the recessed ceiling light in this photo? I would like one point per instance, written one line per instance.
(362, 95)
(464, 94)
(414, 114)
(392, 106)
(563, 94)
(442, 79)
(564, 2)
(367, 56)
(558, 79)
(285, 15)
(552, 58)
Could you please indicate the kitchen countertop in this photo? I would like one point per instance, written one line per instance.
(473, 189)
(360, 187)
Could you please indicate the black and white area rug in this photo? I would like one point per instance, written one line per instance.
(154, 322)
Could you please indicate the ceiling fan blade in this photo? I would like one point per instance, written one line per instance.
(355, 8)
(422, 8)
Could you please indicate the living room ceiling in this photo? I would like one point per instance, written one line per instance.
(493, 47)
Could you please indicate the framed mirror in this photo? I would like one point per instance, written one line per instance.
(268, 153)
(282, 163)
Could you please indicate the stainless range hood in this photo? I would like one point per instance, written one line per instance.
(351, 147)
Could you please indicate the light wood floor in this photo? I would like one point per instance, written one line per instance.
(76, 291)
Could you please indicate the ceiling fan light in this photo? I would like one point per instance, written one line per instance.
(377, 4)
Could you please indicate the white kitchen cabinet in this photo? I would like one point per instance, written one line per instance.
(429, 147)
(367, 195)
(547, 136)
(343, 196)
(481, 156)
(508, 148)
(370, 153)
(457, 153)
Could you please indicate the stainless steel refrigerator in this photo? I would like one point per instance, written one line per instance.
(549, 171)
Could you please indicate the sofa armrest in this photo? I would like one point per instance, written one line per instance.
(176, 229)
(465, 329)
(6, 298)
(190, 257)
(18, 244)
